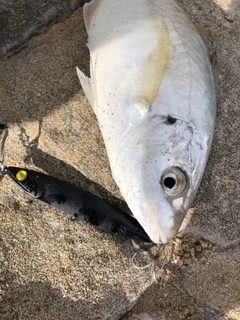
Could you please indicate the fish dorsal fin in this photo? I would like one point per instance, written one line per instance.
(88, 12)
(150, 74)
(213, 60)
(86, 84)
(203, 32)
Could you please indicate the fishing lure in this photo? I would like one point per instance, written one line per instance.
(72, 200)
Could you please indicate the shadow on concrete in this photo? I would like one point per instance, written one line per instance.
(38, 300)
(21, 20)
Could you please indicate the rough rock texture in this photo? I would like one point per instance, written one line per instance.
(201, 282)
(21, 19)
(55, 268)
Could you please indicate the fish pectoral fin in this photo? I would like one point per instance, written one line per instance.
(86, 84)
(151, 72)
(88, 12)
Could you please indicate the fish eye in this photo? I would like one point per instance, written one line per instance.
(173, 181)
(171, 120)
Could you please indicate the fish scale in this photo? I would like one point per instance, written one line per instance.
(153, 94)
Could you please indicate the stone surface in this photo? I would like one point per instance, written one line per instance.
(203, 287)
(55, 268)
(22, 19)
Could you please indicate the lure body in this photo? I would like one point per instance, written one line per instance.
(78, 203)
(152, 91)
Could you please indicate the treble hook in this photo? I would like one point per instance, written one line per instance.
(153, 263)
(3, 136)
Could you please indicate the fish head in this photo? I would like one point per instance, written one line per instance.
(158, 170)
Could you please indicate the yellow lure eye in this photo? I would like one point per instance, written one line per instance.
(21, 175)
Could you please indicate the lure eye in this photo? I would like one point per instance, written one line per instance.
(173, 181)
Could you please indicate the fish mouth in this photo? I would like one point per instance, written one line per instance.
(160, 233)
(158, 218)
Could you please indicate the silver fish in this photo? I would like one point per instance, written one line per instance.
(153, 94)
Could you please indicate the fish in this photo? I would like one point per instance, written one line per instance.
(152, 90)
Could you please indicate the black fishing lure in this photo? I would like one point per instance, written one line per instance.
(73, 200)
